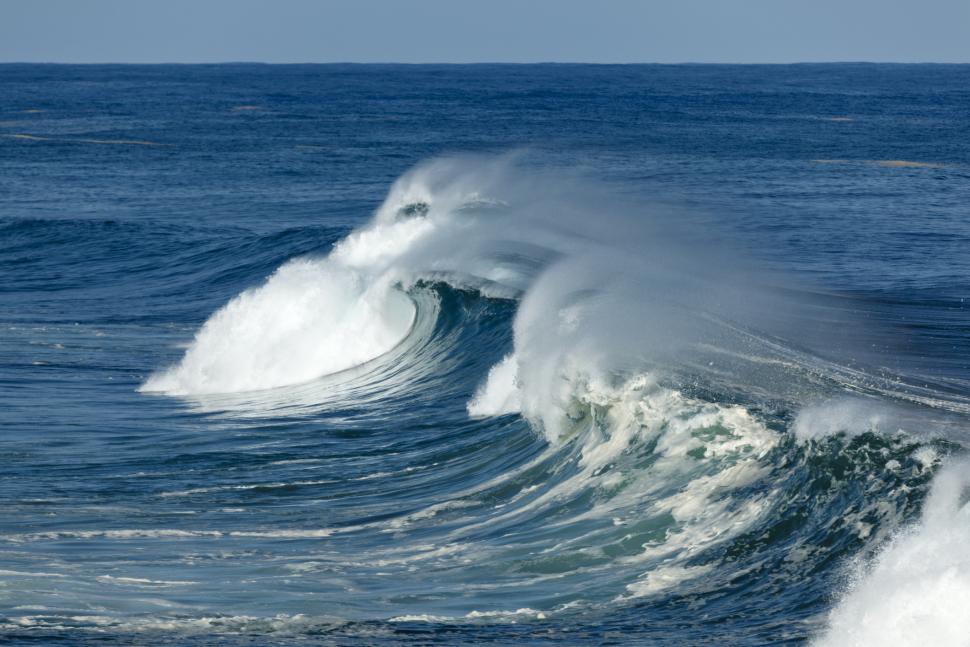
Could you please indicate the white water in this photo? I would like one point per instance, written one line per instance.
(311, 318)
(844, 415)
(499, 394)
(917, 589)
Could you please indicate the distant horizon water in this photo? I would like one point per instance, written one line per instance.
(485, 62)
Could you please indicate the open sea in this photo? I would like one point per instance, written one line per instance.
(488, 354)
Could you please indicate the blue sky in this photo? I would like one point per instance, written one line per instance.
(459, 31)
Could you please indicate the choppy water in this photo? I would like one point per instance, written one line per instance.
(454, 354)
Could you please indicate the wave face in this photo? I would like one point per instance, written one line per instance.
(514, 404)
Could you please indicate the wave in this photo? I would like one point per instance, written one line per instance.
(688, 438)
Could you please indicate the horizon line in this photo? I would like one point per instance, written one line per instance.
(511, 63)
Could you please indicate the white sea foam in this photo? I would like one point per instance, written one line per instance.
(8, 573)
(122, 534)
(142, 581)
(248, 486)
(173, 533)
(421, 617)
(917, 589)
(524, 613)
(845, 415)
(666, 578)
(499, 394)
(208, 625)
(312, 317)
(704, 455)
(512, 617)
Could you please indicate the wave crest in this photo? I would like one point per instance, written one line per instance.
(310, 318)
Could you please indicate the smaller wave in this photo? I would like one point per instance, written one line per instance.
(117, 142)
(518, 615)
(142, 581)
(246, 486)
(170, 533)
(883, 163)
(9, 573)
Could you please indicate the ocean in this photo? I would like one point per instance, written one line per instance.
(485, 354)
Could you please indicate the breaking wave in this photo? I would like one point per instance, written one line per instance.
(700, 424)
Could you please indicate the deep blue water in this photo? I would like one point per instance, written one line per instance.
(735, 297)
